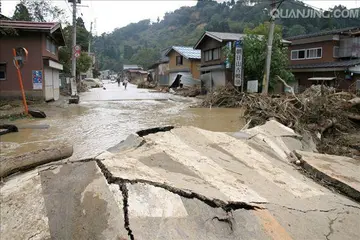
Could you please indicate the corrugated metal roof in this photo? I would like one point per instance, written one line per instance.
(187, 52)
(221, 36)
(227, 36)
(324, 33)
(347, 63)
(126, 67)
(50, 26)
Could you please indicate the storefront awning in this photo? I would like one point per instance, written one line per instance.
(53, 64)
(321, 78)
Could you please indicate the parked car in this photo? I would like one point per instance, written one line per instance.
(93, 82)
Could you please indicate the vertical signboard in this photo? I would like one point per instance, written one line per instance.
(227, 61)
(238, 78)
(37, 79)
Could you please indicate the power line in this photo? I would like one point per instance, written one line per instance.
(67, 4)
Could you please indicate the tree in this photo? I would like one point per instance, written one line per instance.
(145, 57)
(43, 11)
(128, 52)
(83, 63)
(296, 30)
(255, 45)
(21, 13)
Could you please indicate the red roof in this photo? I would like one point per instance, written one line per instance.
(29, 25)
(49, 27)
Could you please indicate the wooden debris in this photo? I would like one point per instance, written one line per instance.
(317, 110)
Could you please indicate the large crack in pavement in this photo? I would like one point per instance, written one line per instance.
(305, 211)
(215, 203)
(212, 203)
(124, 192)
(331, 230)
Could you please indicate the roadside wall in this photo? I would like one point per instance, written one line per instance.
(10, 88)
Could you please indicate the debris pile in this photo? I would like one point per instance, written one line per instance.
(188, 92)
(146, 84)
(331, 118)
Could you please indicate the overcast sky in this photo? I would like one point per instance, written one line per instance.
(114, 14)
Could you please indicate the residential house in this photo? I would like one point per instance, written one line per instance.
(41, 71)
(160, 69)
(214, 70)
(134, 73)
(330, 57)
(213, 59)
(184, 61)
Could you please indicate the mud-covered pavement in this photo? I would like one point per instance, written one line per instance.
(185, 183)
(172, 183)
(105, 117)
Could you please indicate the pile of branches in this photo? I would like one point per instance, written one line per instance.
(188, 92)
(331, 118)
(223, 97)
(146, 85)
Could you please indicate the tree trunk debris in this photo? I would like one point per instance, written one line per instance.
(10, 165)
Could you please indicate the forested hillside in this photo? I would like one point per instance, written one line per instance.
(140, 43)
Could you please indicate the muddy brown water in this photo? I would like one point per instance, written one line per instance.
(96, 125)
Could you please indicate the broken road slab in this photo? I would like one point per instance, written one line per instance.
(183, 183)
(156, 213)
(70, 201)
(228, 173)
(341, 173)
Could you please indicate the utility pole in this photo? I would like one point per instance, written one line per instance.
(266, 80)
(90, 38)
(74, 94)
(90, 70)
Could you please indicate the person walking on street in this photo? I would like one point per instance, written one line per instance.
(118, 81)
(125, 82)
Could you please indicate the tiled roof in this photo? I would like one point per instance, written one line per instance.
(187, 52)
(324, 33)
(347, 63)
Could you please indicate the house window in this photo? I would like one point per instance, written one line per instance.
(212, 54)
(336, 52)
(311, 53)
(179, 60)
(208, 55)
(2, 71)
(301, 54)
(50, 46)
(216, 53)
(314, 53)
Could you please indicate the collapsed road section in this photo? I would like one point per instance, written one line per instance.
(185, 183)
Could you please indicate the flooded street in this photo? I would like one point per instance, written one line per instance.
(105, 117)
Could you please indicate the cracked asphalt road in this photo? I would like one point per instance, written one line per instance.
(184, 183)
(144, 189)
